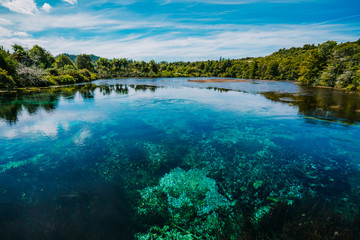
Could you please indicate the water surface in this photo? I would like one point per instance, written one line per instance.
(97, 161)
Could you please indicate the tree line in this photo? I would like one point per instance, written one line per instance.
(37, 67)
(328, 64)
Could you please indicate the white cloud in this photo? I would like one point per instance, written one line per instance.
(72, 2)
(28, 42)
(5, 21)
(5, 33)
(159, 39)
(20, 6)
(247, 41)
(21, 34)
(229, 44)
(43, 22)
(46, 7)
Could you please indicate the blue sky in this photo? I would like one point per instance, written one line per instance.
(176, 30)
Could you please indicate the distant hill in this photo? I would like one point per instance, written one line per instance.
(73, 57)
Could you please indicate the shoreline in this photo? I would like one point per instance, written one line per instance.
(211, 80)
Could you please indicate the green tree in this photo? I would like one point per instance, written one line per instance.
(153, 67)
(254, 68)
(103, 67)
(6, 81)
(311, 67)
(327, 47)
(272, 70)
(84, 61)
(7, 62)
(103, 63)
(40, 57)
(63, 60)
(116, 65)
(21, 55)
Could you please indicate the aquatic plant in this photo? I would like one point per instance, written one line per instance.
(113, 161)
(311, 218)
(189, 201)
(165, 233)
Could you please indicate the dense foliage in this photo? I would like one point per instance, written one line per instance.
(73, 57)
(328, 64)
(37, 67)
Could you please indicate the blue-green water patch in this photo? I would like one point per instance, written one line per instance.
(160, 158)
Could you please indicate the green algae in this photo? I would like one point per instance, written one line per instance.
(166, 233)
(17, 164)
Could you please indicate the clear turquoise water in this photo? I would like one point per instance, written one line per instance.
(75, 161)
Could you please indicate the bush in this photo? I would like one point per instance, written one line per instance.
(85, 73)
(6, 81)
(51, 80)
(350, 87)
(53, 71)
(64, 79)
(64, 61)
(93, 76)
(69, 67)
(77, 76)
(31, 76)
(7, 62)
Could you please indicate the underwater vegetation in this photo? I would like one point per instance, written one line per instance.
(313, 218)
(190, 203)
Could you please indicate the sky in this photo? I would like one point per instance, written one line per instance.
(176, 30)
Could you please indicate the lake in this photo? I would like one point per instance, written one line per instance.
(176, 159)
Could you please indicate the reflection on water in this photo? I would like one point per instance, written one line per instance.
(14, 102)
(184, 161)
(315, 103)
(322, 103)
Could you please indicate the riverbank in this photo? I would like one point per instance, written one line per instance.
(194, 80)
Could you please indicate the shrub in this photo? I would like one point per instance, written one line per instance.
(53, 71)
(65, 79)
(6, 81)
(31, 76)
(85, 73)
(77, 76)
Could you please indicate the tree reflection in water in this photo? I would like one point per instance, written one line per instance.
(13, 103)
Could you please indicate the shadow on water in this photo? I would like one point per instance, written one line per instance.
(13, 103)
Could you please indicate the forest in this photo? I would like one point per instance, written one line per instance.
(329, 64)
